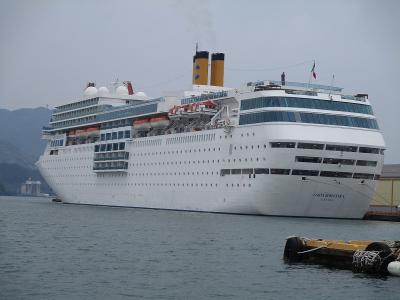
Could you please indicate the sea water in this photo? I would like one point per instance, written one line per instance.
(60, 251)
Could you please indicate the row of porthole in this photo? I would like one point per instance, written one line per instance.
(158, 184)
(242, 135)
(68, 167)
(174, 152)
(72, 175)
(174, 173)
(90, 174)
(141, 184)
(234, 160)
(248, 147)
(66, 159)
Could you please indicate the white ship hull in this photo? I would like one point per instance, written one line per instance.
(182, 173)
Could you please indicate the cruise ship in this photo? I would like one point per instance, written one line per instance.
(265, 148)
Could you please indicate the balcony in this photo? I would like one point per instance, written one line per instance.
(104, 167)
(111, 156)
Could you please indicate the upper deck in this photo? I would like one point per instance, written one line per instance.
(238, 103)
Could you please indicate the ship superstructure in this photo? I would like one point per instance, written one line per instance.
(268, 147)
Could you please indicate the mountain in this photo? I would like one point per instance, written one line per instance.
(20, 147)
(21, 128)
(3, 190)
(10, 154)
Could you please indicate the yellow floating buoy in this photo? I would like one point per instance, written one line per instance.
(365, 256)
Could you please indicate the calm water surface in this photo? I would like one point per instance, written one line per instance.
(59, 251)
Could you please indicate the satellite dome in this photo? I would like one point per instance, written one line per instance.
(141, 94)
(90, 91)
(103, 91)
(122, 91)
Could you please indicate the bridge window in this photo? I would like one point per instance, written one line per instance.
(305, 103)
(269, 116)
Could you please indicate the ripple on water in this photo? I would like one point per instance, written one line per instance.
(83, 252)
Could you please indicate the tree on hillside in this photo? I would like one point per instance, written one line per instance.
(3, 191)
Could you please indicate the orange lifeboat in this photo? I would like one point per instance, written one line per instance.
(80, 132)
(71, 132)
(141, 124)
(209, 104)
(159, 122)
(92, 131)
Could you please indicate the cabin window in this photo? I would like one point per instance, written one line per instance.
(341, 148)
(282, 144)
(336, 161)
(363, 176)
(335, 174)
(225, 172)
(308, 159)
(261, 171)
(369, 150)
(314, 146)
(368, 163)
(280, 171)
(247, 171)
(305, 172)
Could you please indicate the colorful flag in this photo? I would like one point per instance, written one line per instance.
(313, 71)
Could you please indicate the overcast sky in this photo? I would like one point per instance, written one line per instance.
(50, 49)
